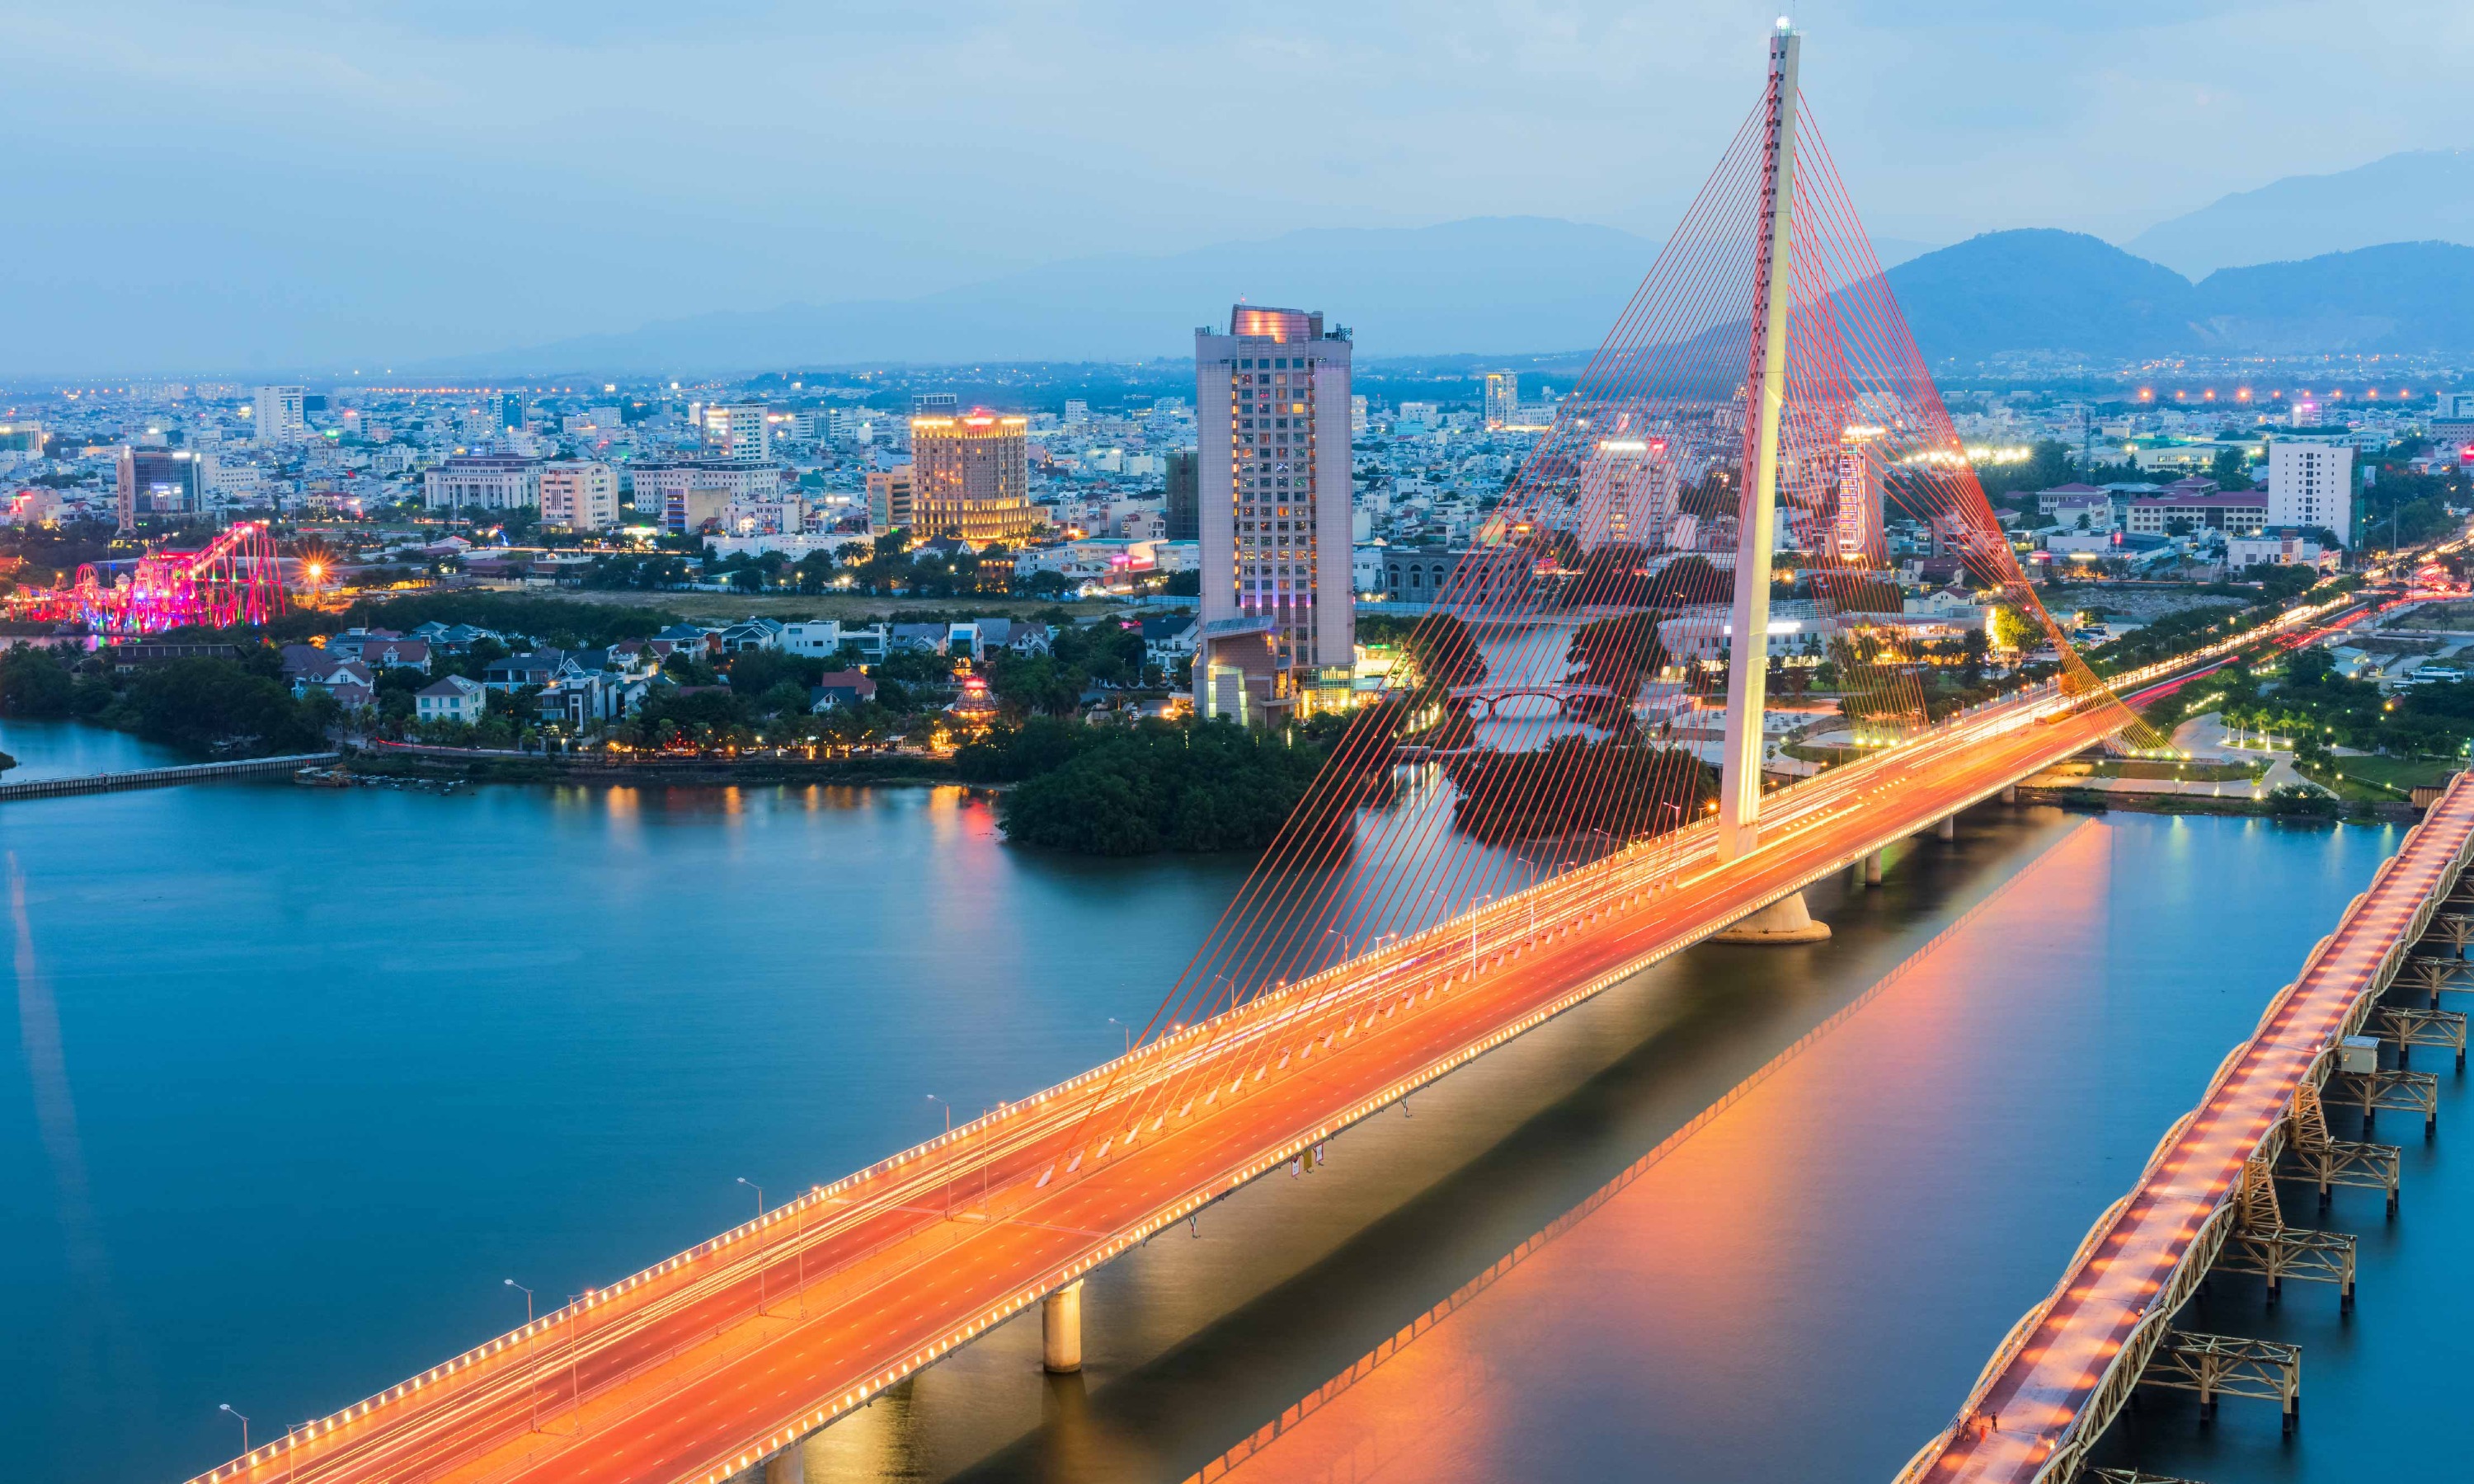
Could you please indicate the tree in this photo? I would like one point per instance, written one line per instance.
(34, 682)
(1037, 685)
(1618, 654)
(213, 706)
(1443, 653)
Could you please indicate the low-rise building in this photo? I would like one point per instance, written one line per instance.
(2239, 513)
(453, 699)
(2279, 549)
(348, 681)
(837, 688)
(518, 671)
(483, 481)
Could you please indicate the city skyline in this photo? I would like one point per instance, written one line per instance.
(396, 185)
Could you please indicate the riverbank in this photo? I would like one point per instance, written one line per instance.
(2085, 799)
(475, 767)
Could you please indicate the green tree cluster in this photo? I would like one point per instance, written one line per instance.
(1140, 790)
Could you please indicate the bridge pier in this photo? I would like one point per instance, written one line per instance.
(1872, 867)
(2010, 794)
(1061, 1330)
(1786, 920)
(786, 1466)
(1948, 828)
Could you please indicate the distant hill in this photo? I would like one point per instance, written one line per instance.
(1489, 284)
(2040, 290)
(2422, 196)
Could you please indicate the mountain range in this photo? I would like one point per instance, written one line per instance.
(2418, 196)
(2370, 260)
(2069, 292)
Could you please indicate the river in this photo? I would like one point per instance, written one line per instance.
(306, 1075)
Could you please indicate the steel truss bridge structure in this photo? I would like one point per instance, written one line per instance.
(1411, 915)
(237, 578)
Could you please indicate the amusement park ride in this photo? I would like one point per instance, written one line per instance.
(236, 579)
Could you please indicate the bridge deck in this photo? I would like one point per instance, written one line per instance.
(696, 1368)
(2031, 1413)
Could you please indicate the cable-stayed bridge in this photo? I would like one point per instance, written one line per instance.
(1756, 422)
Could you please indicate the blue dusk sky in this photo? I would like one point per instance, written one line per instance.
(203, 185)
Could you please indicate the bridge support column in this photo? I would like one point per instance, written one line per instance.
(786, 1466)
(1871, 867)
(1948, 828)
(1060, 1329)
(1786, 920)
(2010, 794)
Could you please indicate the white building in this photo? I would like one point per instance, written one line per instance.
(1502, 398)
(1628, 488)
(276, 413)
(2311, 484)
(739, 431)
(453, 699)
(1271, 401)
(2281, 550)
(580, 495)
(482, 482)
(663, 485)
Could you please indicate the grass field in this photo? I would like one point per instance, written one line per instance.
(2389, 778)
(730, 607)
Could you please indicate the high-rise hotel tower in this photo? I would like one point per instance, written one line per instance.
(1272, 409)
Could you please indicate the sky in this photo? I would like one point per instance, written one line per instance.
(197, 186)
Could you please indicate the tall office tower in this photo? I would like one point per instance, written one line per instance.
(737, 431)
(936, 405)
(511, 413)
(1077, 412)
(1356, 416)
(278, 416)
(2311, 484)
(1857, 535)
(1184, 495)
(889, 501)
(580, 494)
(970, 476)
(158, 482)
(1272, 407)
(1502, 398)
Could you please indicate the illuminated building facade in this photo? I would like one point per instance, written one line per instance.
(739, 431)
(1272, 403)
(970, 476)
(1502, 398)
(160, 482)
(1628, 493)
(889, 501)
(580, 494)
(1857, 535)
